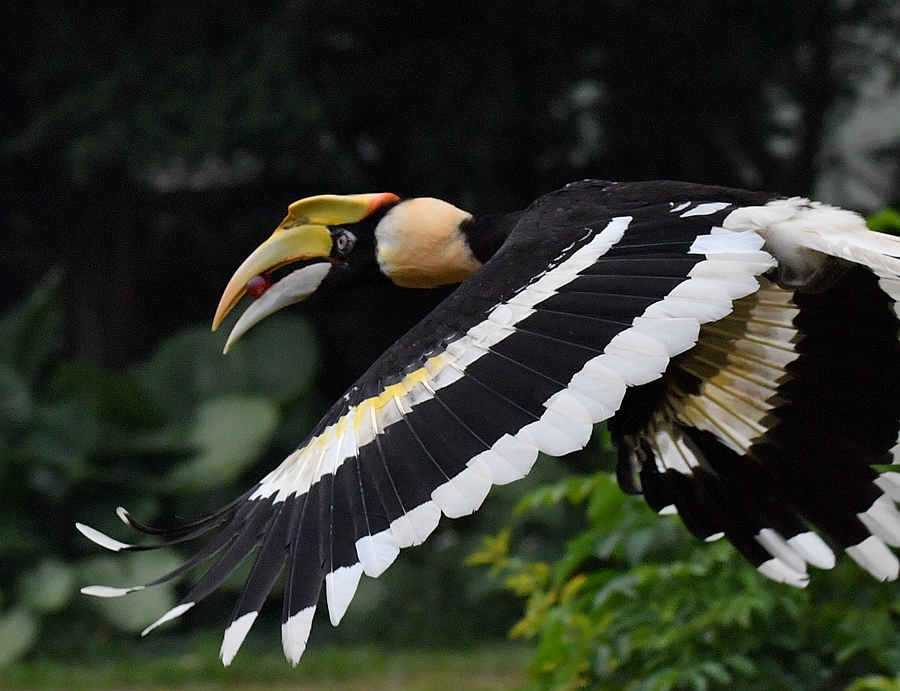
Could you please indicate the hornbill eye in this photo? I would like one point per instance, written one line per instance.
(344, 241)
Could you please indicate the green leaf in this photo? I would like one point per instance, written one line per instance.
(741, 664)
(18, 632)
(137, 610)
(277, 359)
(885, 221)
(28, 332)
(115, 399)
(16, 404)
(715, 671)
(875, 683)
(64, 433)
(281, 356)
(48, 587)
(18, 533)
(229, 434)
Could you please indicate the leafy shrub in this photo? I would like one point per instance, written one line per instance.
(635, 603)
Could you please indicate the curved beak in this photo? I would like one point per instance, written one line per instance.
(294, 287)
(304, 234)
(284, 246)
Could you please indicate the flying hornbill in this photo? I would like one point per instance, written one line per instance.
(743, 347)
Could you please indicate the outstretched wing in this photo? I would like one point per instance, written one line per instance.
(749, 410)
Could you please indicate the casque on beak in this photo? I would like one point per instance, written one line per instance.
(304, 234)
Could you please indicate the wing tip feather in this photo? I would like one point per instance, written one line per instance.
(234, 636)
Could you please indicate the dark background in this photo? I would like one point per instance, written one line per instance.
(147, 147)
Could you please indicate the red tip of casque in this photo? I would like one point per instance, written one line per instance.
(380, 200)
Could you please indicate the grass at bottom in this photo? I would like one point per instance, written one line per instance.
(498, 668)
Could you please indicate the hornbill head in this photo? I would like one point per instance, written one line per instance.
(416, 243)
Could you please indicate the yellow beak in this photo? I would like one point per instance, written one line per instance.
(303, 234)
(284, 246)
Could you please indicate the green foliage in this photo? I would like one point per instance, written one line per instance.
(229, 433)
(74, 438)
(885, 221)
(18, 631)
(135, 612)
(39, 464)
(195, 665)
(875, 683)
(233, 404)
(277, 359)
(636, 604)
(47, 587)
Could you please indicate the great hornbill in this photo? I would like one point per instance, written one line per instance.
(743, 347)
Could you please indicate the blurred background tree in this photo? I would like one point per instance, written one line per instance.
(147, 148)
